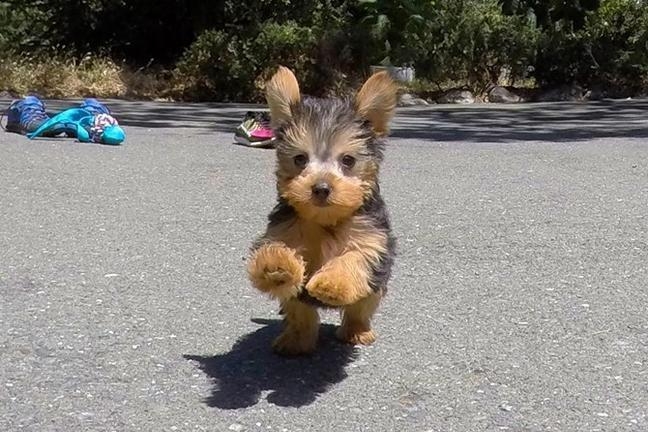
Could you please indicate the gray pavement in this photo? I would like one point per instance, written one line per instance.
(519, 301)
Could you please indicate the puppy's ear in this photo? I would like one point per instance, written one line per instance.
(282, 92)
(376, 101)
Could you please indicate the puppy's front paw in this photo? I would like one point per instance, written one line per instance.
(332, 287)
(276, 270)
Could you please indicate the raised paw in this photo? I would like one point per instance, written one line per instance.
(276, 270)
(332, 288)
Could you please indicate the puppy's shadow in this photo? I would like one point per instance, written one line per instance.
(243, 374)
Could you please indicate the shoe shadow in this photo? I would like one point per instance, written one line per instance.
(241, 375)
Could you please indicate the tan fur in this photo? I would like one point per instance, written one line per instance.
(282, 92)
(276, 270)
(342, 281)
(343, 278)
(356, 321)
(346, 141)
(337, 262)
(376, 101)
(346, 197)
(300, 139)
(301, 329)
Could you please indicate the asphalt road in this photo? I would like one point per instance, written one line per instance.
(519, 301)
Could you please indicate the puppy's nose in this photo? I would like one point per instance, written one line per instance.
(321, 191)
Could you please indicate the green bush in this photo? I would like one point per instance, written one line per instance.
(611, 50)
(227, 67)
(23, 28)
(384, 27)
(216, 66)
(232, 64)
(549, 13)
(287, 44)
(472, 42)
(618, 46)
(225, 50)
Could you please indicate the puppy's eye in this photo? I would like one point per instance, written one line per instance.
(300, 160)
(348, 161)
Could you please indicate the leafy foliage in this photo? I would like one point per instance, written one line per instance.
(223, 49)
(472, 41)
(548, 13)
(23, 28)
(610, 50)
(229, 67)
(387, 25)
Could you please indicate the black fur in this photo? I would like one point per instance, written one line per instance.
(375, 208)
(327, 116)
(309, 299)
(282, 212)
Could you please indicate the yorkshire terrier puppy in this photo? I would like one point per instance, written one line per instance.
(328, 241)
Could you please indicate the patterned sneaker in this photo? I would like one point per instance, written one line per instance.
(255, 130)
(94, 106)
(25, 115)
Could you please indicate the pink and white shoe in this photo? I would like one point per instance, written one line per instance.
(255, 130)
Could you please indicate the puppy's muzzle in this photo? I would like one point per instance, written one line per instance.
(321, 192)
